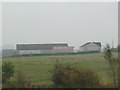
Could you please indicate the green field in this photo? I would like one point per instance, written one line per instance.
(37, 67)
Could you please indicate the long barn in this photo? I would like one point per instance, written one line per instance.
(44, 48)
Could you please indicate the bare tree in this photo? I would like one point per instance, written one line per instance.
(113, 62)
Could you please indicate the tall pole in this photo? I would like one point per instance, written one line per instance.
(112, 44)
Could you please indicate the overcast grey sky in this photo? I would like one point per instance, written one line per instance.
(0, 24)
(48, 22)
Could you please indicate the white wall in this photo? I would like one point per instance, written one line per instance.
(46, 51)
(63, 50)
(21, 52)
(91, 47)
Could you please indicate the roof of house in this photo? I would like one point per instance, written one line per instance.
(38, 46)
(97, 43)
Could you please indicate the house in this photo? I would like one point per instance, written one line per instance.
(43, 48)
(91, 46)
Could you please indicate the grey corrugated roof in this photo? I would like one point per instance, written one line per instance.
(38, 46)
(97, 43)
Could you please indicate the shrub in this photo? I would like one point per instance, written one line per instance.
(57, 74)
(72, 77)
(7, 71)
(22, 81)
(113, 63)
(108, 85)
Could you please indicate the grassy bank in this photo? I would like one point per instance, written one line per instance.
(37, 68)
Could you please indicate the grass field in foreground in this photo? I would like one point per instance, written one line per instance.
(37, 67)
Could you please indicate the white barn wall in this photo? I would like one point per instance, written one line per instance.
(46, 51)
(91, 47)
(63, 50)
(22, 52)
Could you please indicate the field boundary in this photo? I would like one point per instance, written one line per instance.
(56, 54)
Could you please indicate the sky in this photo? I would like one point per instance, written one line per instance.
(0, 23)
(60, 0)
(49, 22)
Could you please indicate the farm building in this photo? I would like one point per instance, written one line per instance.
(64, 49)
(43, 48)
(91, 46)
